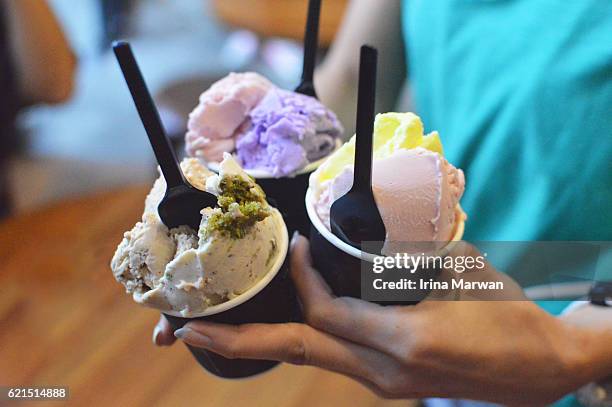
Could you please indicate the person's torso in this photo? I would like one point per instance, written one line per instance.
(521, 93)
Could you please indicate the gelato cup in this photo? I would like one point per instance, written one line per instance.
(231, 270)
(271, 300)
(287, 193)
(340, 264)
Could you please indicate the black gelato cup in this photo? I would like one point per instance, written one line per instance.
(342, 265)
(287, 193)
(271, 300)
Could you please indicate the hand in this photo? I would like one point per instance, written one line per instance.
(508, 352)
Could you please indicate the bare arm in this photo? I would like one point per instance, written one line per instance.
(373, 22)
(44, 61)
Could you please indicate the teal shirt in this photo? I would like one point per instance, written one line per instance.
(521, 93)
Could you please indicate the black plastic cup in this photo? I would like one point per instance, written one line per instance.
(271, 300)
(287, 194)
(340, 264)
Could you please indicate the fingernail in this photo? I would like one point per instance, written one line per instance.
(182, 332)
(156, 332)
(192, 337)
(294, 238)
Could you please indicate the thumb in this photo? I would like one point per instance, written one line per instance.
(162, 333)
(480, 270)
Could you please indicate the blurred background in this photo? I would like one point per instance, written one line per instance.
(75, 165)
(92, 139)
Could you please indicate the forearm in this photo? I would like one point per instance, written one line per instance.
(43, 59)
(376, 23)
(594, 326)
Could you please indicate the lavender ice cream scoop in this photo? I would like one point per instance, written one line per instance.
(287, 131)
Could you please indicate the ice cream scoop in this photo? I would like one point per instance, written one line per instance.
(185, 271)
(416, 190)
(221, 114)
(269, 129)
(287, 130)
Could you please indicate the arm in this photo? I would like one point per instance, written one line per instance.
(373, 22)
(597, 321)
(44, 61)
(509, 352)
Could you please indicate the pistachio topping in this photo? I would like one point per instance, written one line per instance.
(236, 189)
(241, 205)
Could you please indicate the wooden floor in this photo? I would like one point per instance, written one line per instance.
(64, 320)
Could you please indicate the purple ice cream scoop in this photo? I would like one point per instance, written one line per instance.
(287, 131)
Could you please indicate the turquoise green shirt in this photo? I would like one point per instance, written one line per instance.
(521, 93)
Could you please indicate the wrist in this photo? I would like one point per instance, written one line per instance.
(601, 340)
(598, 392)
(589, 330)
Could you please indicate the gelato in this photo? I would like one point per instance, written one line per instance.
(187, 271)
(269, 129)
(416, 190)
(222, 111)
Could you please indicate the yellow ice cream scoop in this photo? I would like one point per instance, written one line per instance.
(392, 132)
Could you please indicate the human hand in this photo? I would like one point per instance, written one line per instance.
(508, 352)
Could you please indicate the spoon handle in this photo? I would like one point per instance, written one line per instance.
(365, 119)
(311, 45)
(148, 114)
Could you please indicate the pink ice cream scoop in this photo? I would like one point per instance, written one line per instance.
(416, 191)
(223, 109)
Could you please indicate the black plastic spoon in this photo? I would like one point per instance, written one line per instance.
(311, 45)
(183, 202)
(355, 217)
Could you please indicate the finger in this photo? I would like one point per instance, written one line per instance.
(385, 329)
(511, 290)
(350, 318)
(310, 285)
(321, 308)
(447, 275)
(162, 333)
(292, 343)
(374, 388)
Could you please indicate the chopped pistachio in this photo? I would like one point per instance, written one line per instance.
(241, 205)
(236, 189)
